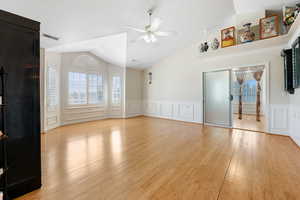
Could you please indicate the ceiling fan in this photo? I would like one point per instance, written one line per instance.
(151, 31)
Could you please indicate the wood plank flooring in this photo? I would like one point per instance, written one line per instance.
(146, 158)
(249, 123)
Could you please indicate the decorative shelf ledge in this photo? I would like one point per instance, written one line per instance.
(282, 40)
(247, 47)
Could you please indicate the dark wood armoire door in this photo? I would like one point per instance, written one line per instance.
(19, 55)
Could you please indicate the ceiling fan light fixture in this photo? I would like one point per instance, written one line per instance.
(153, 38)
(150, 38)
(151, 32)
(147, 39)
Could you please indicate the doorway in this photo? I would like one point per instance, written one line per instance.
(249, 91)
(237, 98)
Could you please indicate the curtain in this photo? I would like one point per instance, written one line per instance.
(240, 77)
(257, 76)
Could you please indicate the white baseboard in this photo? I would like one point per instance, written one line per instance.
(134, 115)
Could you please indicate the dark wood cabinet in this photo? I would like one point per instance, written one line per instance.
(19, 56)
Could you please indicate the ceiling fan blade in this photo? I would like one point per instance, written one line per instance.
(164, 33)
(136, 29)
(155, 24)
(138, 39)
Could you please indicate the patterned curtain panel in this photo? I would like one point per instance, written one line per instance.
(257, 76)
(240, 77)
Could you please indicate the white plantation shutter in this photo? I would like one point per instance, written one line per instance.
(116, 90)
(52, 90)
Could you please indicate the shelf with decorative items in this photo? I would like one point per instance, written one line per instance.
(3, 138)
(251, 38)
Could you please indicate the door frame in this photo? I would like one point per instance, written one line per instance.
(230, 102)
(266, 64)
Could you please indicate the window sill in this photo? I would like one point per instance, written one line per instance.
(85, 106)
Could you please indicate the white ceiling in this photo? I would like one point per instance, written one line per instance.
(77, 21)
(112, 49)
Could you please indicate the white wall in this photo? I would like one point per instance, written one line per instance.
(176, 91)
(134, 88)
(180, 76)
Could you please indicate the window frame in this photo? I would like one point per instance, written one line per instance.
(236, 93)
(88, 104)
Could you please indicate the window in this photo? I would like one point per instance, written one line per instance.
(52, 93)
(116, 90)
(77, 88)
(85, 88)
(248, 91)
(95, 89)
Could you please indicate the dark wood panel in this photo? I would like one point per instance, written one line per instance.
(19, 55)
(19, 20)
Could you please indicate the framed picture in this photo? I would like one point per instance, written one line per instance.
(269, 27)
(228, 37)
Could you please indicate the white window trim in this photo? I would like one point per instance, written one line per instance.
(88, 105)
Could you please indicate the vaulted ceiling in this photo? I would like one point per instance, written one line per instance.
(77, 21)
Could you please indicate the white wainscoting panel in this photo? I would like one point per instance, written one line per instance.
(294, 119)
(183, 111)
(82, 114)
(152, 108)
(167, 109)
(279, 119)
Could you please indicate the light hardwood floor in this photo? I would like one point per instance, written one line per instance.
(249, 122)
(146, 158)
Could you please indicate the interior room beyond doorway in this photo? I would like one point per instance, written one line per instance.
(249, 90)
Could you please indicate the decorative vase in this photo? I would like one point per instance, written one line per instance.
(204, 47)
(247, 36)
(289, 16)
(215, 44)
